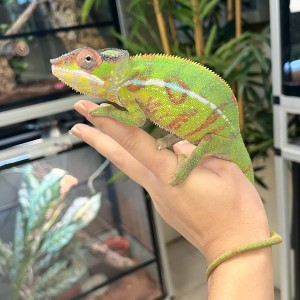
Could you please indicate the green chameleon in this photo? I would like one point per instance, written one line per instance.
(181, 96)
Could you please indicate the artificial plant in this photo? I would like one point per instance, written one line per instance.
(43, 261)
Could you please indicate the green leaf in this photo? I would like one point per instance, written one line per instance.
(209, 8)
(210, 40)
(5, 258)
(85, 9)
(230, 45)
(24, 199)
(115, 177)
(184, 16)
(255, 83)
(82, 211)
(58, 278)
(58, 237)
(49, 190)
(260, 58)
(203, 4)
(19, 242)
(185, 3)
(235, 62)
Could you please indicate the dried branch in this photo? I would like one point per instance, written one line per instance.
(161, 27)
(198, 29)
(229, 10)
(172, 25)
(238, 31)
(19, 23)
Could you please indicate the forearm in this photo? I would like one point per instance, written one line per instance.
(246, 276)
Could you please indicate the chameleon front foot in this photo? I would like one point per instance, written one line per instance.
(108, 110)
(103, 110)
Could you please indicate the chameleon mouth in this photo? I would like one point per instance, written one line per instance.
(78, 80)
(73, 75)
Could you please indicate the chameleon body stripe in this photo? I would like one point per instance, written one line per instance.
(177, 88)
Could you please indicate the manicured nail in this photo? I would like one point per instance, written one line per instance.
(80, 108)
(183, 142)
(75, 130)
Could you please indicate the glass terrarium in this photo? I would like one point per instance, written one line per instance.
(33, 32)
(90, 235)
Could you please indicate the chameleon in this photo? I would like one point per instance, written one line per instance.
(181, 96)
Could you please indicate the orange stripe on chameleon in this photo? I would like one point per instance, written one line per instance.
(208, 121)
(181, 119)
(173, 97)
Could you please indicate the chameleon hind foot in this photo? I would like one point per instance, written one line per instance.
(210, 144)
(167, 141)
(222, 147)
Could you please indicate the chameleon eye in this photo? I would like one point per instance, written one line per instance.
(87, 59)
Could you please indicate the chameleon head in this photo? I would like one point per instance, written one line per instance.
(91, 72)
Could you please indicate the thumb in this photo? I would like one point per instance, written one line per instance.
(184, 147)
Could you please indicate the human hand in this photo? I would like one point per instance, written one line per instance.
(216, 208)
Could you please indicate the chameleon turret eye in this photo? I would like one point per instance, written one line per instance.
(87, 59)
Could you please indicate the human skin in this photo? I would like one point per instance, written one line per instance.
(216, 208)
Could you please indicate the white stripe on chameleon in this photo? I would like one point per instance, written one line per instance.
(78, 74)
(177, 88)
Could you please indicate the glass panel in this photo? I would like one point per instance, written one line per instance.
(109, 247)
(52, 28)
(293, 129)
(51, 14)
(142, 284)
(290, 39)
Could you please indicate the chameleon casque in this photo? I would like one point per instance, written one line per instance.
(181, 96)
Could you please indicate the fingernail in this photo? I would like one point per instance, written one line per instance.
(183, 142)
(75, 130)
(80, 108)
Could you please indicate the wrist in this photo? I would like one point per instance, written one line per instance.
(249, 274)
(228, 239)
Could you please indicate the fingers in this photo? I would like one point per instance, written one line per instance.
(184, 147)
(113, 152)
(135, 141)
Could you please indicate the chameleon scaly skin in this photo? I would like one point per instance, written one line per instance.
(181, 96)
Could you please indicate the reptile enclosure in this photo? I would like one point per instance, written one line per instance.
(123, 253)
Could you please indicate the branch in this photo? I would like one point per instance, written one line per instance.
(22, 19)
(161, 27)
(198, 29)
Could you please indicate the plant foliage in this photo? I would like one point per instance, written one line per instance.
(35, 265)
(240, 60)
